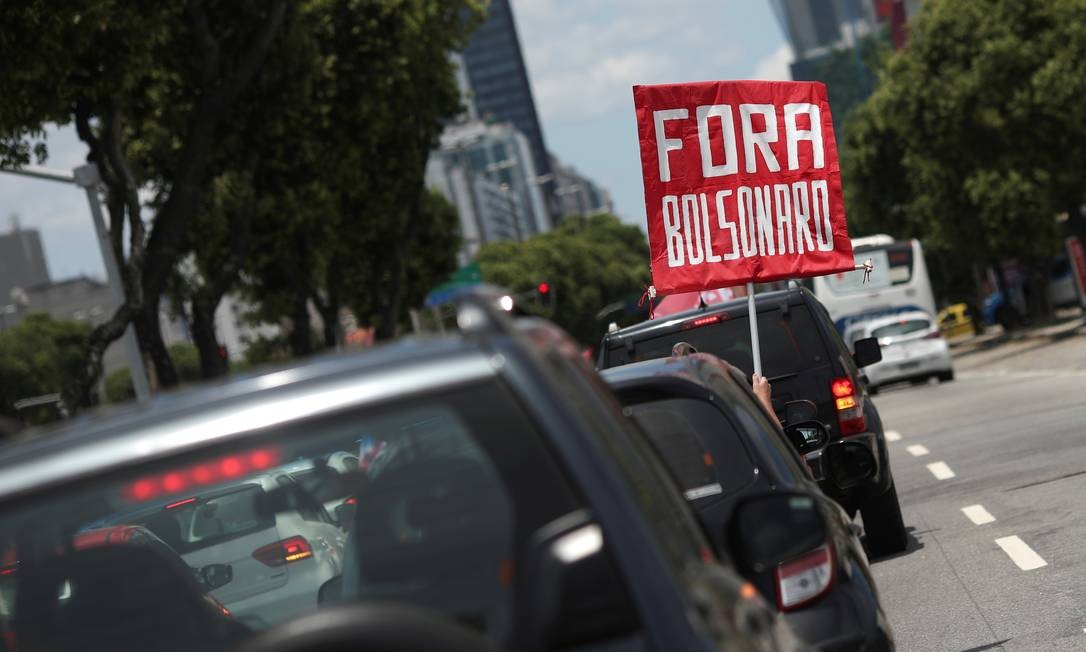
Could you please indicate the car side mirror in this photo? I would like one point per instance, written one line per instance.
(806, 436)
(848, 464)
(768, 529)
(215, 576)
(798, 411)
(570, 588)
(866, 351)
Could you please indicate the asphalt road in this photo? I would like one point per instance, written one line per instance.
(991, 474)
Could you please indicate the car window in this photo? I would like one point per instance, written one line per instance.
(199, 522)
(903, 327)
(441, 525)
(699, 444)
(658, 496)
(789, 343)
(322, 485)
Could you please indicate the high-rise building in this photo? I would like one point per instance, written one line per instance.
(500, 88)
(828, 38)
(22, 261)
(576, 194)
(487, 171)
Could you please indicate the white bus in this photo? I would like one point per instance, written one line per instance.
(898, 283)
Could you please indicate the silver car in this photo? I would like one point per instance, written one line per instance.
(913, 349)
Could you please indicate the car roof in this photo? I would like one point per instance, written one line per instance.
(872, 324)
(692, 369)
(735, 309)
(193, 418)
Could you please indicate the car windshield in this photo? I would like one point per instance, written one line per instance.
(899, 328)
(199, 551)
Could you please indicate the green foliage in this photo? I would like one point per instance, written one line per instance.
(974, 139)
(186, 359)
(590, 262)
(119, 386)
(39, 356)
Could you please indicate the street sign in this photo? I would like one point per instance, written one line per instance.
(742, 183)
(459, 283)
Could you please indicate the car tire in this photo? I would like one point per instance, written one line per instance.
(872, 389)
(883, 524)
(946, 376)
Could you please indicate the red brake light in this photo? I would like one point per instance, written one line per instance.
(543, 288)
(702, 321)
(804, 580)
(181, 503)
(841, 387)
(850, 409)
(181, 480)
(284, 552)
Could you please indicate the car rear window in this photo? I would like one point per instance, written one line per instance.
(323, 485)
(201, 522)
(789, 341)
(903, 327)
(680, 430)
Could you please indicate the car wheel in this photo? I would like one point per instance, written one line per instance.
(946, 376)
(884, 525)
(872, 389)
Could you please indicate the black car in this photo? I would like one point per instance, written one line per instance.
(723, 449)
(803, 357)
(515, 507)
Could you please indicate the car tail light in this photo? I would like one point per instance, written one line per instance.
(211, 472)
(802, 581)
(703, 321)
(850, 409)
(284, 552)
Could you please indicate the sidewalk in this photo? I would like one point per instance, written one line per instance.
(1070, 324)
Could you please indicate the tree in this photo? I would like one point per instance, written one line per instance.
(39, 356)
(122, 72)
(589, 262)
(974, 138)
(355, 227)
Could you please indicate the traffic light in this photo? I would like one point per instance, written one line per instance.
(544, 295)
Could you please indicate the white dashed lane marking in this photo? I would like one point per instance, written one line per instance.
(916, 450)
(893, 435)
(1020, 553)
(940, 470)
(977, 514)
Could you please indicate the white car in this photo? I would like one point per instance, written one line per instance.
(279, 541)
(912, 349)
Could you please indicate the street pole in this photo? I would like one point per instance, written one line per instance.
(86, 176)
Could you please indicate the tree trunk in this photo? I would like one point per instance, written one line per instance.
(212, 364)
(149, 333)
(1007, 314)
(301, 344)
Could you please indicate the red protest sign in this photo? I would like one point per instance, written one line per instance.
(742, 183)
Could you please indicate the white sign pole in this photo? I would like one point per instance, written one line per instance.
(752, 311)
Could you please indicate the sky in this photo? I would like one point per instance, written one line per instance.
(583, 57)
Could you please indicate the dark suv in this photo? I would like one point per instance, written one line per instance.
(804, 358)
(513, 506)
